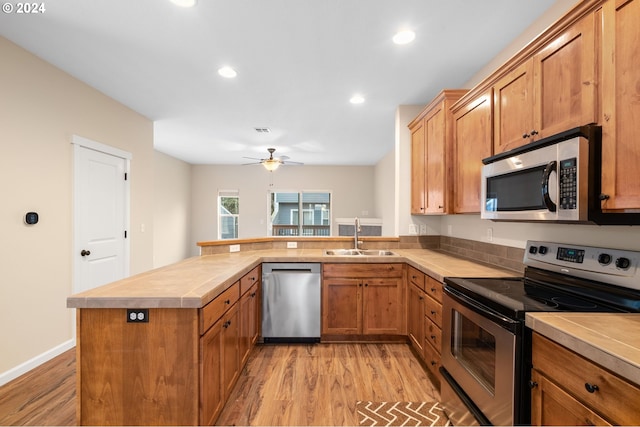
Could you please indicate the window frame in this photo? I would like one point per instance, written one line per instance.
(228, 194)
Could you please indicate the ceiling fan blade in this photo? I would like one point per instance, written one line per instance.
(252, 163)
(254, 158)
(292, 163)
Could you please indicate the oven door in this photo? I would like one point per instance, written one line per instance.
(479, 353)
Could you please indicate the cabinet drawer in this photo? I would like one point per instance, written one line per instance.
(216, 308)
(615, 398)
(249, 279)
(416, 277)
(433, 310)
(432, 359)
(433, 334)
(433, 288)
(362, 270)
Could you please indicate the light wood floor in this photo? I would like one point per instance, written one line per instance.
(281, 385)
(320, 384)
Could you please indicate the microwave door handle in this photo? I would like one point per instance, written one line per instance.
(551, 167)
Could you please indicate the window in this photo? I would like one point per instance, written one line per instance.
(228, 214)
(300, 214)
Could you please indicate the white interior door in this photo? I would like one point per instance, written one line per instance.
(101, 208)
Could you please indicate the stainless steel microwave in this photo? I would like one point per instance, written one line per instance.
(555, 179)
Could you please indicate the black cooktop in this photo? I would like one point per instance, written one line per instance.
(513, 297)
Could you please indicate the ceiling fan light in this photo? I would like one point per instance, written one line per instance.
(227, 72)
(271, 164)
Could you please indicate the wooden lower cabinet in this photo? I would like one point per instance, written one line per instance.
(363, 299)
(176, 369)
(424, 325)
(569, 389)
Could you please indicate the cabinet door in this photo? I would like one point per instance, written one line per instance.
(552, 406)
(230, 356)
(513, 109)
(211, 393)
(435, 142)
(248, 323)
(418, 169)
(342, 306)
(382, 304)
(564, 80)
(415, 324)
(472, 143)
(620, 106)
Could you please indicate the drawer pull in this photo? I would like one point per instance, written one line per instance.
(420, 298)
(433, 312)
(253, 295)
(433, 337)
(533, 384)
(227, 301)
(591, 388)
(433, 289)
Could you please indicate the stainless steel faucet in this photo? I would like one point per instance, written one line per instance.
(357, 230)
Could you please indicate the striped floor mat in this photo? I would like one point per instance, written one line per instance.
(401, 414)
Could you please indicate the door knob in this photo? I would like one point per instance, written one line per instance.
(85, 252)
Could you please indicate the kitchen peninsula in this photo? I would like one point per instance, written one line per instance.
(177, 362)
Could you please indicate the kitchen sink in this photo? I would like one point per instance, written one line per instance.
(358, 252)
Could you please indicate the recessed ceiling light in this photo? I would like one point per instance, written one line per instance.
(404, 37)
(227, 72)
(357, 99)
(184, 3)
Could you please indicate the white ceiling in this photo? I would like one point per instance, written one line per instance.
(298, 63)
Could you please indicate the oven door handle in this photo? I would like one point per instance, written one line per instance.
(505, 322)
(551, 167)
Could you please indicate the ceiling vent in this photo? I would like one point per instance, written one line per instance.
(262, 130)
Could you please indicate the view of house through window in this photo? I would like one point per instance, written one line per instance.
(300, 214)
(228, 214)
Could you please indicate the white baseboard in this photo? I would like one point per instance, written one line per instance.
(25, 367)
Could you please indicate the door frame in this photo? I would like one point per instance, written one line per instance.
(80, 143)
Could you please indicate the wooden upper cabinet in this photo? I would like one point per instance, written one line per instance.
(550, 92)
(513, 109)
(472, 143)
(418, 160)
(620, 105)
(431, 155)
(564, 80)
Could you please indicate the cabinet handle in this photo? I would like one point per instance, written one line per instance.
(525, 135)
(414, 277)
(433, 312)
(591, 388)
(420, 298)
(227, 301)
(433, 289)
(253, 295)
(253, 279)
(225, 324)
(434, 363)
(359, 285)
(534, 132)
(433, 337)
(366, 284)
(533, 384)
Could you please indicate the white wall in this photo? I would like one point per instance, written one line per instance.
(41, 107)
(385, 193)
(171, 210)
(352, 188)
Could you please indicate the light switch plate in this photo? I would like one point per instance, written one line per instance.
(234, 248)
(292, 245)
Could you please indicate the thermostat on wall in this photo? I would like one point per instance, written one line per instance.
(31, 218)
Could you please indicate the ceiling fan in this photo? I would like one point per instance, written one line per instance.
(272, 163)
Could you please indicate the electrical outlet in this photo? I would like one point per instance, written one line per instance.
(489, 234)
(234, 248)
(413, 229)
(137, 315)
(292, 245)
(423, 229)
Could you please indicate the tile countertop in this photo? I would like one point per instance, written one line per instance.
(194, 282)
(611, 340)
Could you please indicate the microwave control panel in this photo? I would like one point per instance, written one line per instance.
(568, 183)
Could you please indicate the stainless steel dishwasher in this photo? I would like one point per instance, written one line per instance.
(290, 302)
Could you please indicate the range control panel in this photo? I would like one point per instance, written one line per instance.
(615, 266)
